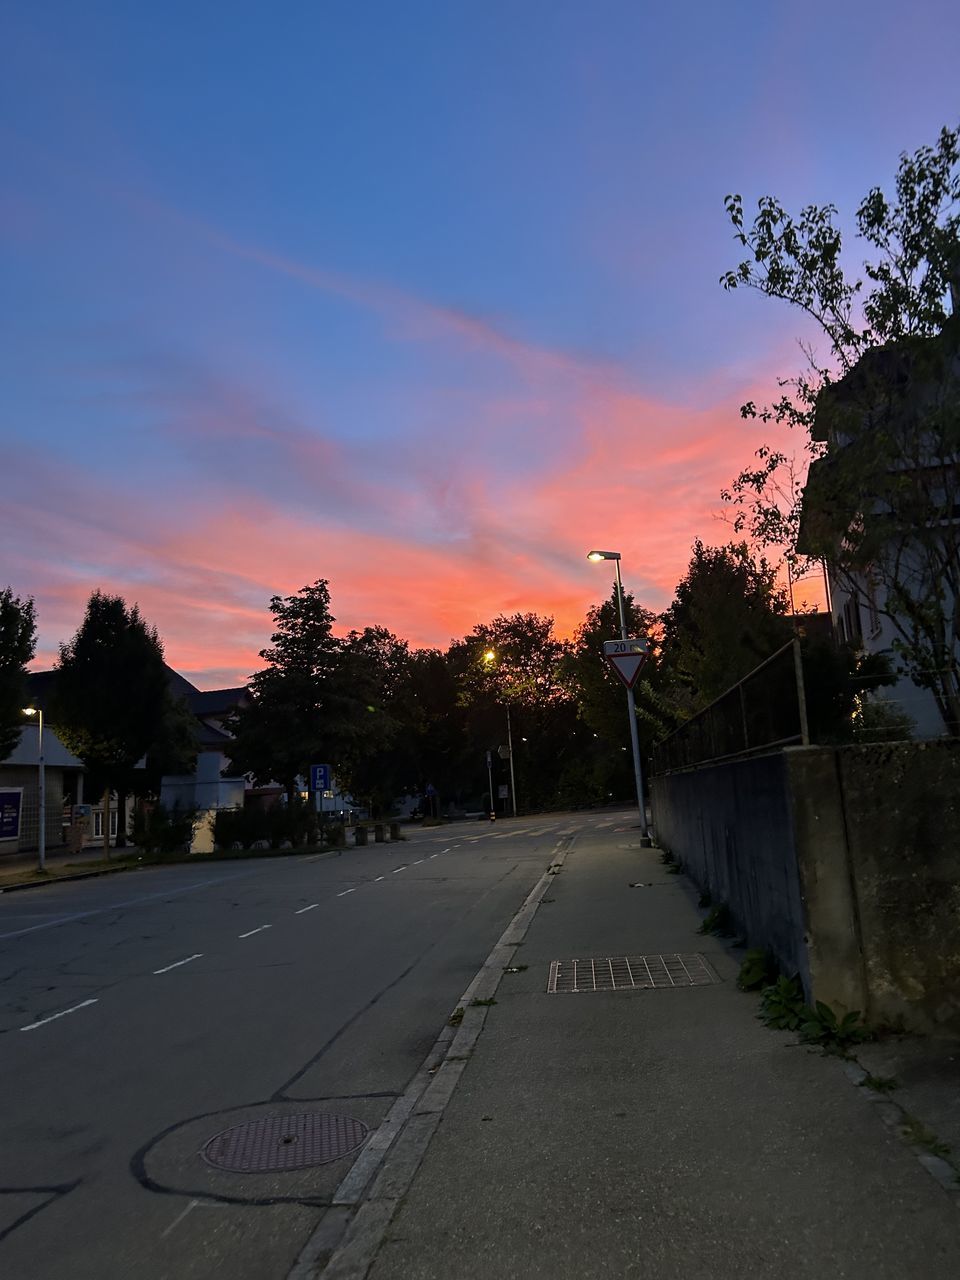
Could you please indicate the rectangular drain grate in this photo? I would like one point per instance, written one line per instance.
(630, 973)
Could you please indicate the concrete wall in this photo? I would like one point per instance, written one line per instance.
(844, 862)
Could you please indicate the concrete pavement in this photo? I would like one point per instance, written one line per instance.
(656, 1133)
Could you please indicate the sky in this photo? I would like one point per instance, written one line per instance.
(420, 298)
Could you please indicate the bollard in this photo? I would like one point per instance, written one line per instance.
(360, 835)
(394, 830)
(379, 835)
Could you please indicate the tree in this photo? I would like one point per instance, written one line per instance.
(727, 616)
(110, 696)
(18, 639)
(879, 414)
(294, 710)
(606, 758)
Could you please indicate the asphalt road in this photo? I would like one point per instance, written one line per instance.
(142, 1014)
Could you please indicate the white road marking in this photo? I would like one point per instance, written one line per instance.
(54, 1016)
(433, 855)
(447, 850)
(396, 869)
(346, 891)
(178, 963)
(179, 1218)
(418, 861)
(384, 877)
(259, 929)
(303, 909)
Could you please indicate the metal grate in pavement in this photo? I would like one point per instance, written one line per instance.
(285, 1143)
(630, 973)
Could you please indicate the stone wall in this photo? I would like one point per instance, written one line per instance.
(844, 862)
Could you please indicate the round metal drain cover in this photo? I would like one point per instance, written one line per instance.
(284, 1143)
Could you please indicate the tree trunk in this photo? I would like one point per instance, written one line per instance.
(105, 825)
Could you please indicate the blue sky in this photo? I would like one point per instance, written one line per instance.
(420, 298)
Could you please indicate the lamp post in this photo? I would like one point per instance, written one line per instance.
(489, 658)
(631, 705)
(41, 790)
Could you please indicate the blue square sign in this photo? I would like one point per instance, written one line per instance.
(319, 777)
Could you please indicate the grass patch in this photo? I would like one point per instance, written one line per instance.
(880, 1084)
(914, 1131)
(456, 1017)
(482, 1004)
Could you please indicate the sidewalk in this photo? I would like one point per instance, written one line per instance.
(662, 1134)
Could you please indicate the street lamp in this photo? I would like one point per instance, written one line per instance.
(631, 705)
(490, 657)
(41, 789)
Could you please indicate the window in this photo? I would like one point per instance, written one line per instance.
(98, 824)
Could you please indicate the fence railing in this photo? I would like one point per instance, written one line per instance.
(767, 708)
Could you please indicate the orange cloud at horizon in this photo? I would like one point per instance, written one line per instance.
(636, 475)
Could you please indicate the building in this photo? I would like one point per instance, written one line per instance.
(882, 507)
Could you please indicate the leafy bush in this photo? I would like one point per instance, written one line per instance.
(821, 1025)
(162, 830)
(759, 969)
(782, 1005)
(239, 826)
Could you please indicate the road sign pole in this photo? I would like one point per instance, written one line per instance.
(632, 712)
(513, 781)
(493, 803)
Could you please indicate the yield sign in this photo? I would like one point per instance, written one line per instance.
(626, 657)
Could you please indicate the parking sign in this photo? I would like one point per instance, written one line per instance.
(319, 777)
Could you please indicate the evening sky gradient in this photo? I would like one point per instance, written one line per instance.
(421, 298)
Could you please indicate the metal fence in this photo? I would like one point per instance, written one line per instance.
(767, 708)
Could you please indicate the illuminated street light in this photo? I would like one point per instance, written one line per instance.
(490, 657)
(631, 705)
(41, 790)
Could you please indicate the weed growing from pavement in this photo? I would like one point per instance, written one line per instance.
(705, 900)
(718, 921)
(880, 1084)
(456, 1017)
(514, 968)
(482, 1004)
(914, 1131)
(759, 969)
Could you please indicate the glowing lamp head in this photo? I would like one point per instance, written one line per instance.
(29, 711)
(603, 555)
(489, 656)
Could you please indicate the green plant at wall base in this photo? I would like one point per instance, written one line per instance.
(880, 1084)
(759, 969)
(705, 900)
(782, 1006)
(821, 1026)
(718, 921)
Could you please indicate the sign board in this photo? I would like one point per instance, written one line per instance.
(489, 759)
(319, 777)
(503, 753)
(626, 657)
(10, 803)
(503, 791)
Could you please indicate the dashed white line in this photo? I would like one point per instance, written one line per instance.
(346, 891)
(380, 878)
(303, 909)
(54, 1016)
(259, 929)
(433, 855)
(178, 963)
(418, 861)
(396, 869)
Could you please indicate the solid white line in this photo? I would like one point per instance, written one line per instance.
(54, 1016)
(303, 909)
(346, 891)
(178, 963)
(260, 929)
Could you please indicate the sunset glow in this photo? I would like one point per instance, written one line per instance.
(394, 321)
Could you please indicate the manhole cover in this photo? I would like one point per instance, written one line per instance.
(285, 1142)
(630, 973)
